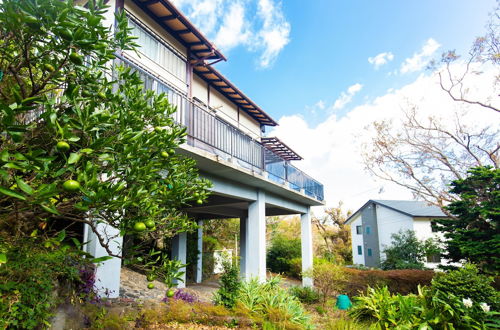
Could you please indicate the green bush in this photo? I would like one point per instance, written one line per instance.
(407, 251)
(273, 304)
(306, 295)
(466, 282)
(281, 252)
(29, 280)
(230, 284)
(329, 279)
(428, 310)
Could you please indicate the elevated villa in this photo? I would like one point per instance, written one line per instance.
(252, 174)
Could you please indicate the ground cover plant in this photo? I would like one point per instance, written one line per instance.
(38, 270)
(444, 305)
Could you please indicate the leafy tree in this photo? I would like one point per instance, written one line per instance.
(474, 233)
(82, 140)
(336, 234)
(407, 251)
(281, 252)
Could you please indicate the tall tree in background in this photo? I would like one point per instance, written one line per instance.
(474, 234)
(425, 154)
(335, 234)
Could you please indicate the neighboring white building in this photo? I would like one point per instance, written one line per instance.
(375, 222)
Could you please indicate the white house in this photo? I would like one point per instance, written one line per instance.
(374, 223)
(252, 174)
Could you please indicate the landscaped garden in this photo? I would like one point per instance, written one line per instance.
(83, 143)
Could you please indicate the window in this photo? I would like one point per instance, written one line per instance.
(434, 258)
(369, 252)
(158, 51)
(367, 230)
(433, 227)
(359, 230)
(360, 250)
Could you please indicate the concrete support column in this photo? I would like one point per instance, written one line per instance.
(243, 246)
(307, 246)
(108, 272)
(255, 247)
(179, 252)
(199, 264)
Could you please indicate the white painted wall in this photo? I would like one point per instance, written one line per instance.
(390, 222)
(356, 240)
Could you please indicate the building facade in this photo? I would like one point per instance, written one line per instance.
(252, 174)
(373, 225)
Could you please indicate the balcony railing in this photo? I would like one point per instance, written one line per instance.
(210, 132)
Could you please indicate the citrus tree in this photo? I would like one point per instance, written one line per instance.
(82, 140)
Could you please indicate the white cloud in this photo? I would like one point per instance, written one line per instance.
(346, 97)
(380, 59)
(233, 31)
(331, 150)
(420, 59)
(275, 32)
(258, 25)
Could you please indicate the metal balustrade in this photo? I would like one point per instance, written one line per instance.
(208, 131)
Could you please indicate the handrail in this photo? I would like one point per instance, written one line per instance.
(210, 132)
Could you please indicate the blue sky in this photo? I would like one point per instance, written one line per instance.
(330, 43)
(325, 69)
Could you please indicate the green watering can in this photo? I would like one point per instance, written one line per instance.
(343, 302)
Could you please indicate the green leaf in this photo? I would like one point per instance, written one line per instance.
(74, 158)
(100, 259)
(73, 138)
(24, 186)
(52, 209)
(60, 237)
(3, 258)
(11, 193)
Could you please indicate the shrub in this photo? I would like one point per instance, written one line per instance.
(465, 283)
(295, 268)
(329, 279)
(229, 285)
(273, 304)
(427, 310)
(306, 295)
(281, 252)
(407, 251)
(29, 280)
(398, 281)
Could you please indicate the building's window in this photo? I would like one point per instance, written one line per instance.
(369, 252)
(433, 227)
(434, 258)
(158, 52)
(367, 230)
(360, 250)
(359, 230)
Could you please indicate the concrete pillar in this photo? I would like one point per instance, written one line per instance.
(108, 272)
(199, 264)
(307, 246)
(243, 245)
(255, 250)
(179, 252)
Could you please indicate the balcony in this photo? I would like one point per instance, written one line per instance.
(211, 133)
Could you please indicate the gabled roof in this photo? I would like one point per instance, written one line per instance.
(172, 20)
(215, 79)
(415, 209)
